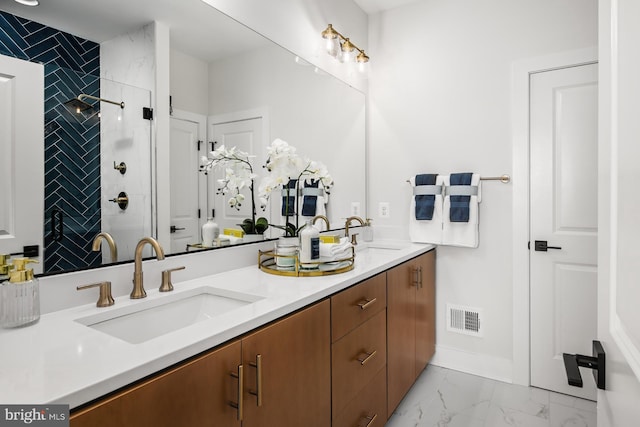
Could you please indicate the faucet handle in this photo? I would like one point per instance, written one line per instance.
(166, 285)
(354, 240)
(105, 299)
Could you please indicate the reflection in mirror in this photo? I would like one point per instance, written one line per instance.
(247, 94)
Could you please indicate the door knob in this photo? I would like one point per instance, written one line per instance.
(173, 229)
(542, 246)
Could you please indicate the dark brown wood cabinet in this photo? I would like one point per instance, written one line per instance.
(294, 369)
(410, 324)
(359, 354)
(195, 393)
(344, 361)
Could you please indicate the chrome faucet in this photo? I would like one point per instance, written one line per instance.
(138, 288)
(346, 227)
(112, 244)
(322, 217)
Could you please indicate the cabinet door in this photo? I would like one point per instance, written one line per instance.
(295, 371)
(425, 310)
(401, 332)
(195, 393)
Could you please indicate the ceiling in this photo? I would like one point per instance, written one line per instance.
(375, 6)
(194, 25)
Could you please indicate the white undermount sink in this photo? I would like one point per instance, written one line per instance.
(145, 320)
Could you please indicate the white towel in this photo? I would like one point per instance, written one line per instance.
(464, 234)
(426, 231)
(335, 251)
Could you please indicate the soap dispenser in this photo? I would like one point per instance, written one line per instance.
(5, 267)
(368, 231)
(20, 296)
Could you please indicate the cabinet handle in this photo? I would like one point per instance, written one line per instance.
(371, 420)
(416, 277)
(420, 277)
(258, 365)
(239, 406)
(366, 303)
(369, 357)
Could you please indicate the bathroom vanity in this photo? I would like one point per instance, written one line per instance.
(293, 351)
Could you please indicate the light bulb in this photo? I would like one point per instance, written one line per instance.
(333, 47)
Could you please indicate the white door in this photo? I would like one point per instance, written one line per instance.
(619, 253)
(247, 136)
(21, 143)
(564, 206)
(188, 197)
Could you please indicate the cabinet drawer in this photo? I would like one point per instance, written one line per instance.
(357, 358)
(357, 304)
(368, 408)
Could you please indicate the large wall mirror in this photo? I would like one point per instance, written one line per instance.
(229, 86)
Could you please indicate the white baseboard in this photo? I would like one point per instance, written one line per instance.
(483, 365)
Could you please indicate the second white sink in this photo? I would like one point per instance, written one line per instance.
(141, 322)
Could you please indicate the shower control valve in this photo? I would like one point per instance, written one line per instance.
(122, 167)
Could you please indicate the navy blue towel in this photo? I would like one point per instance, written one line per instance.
(309, 202)
(289, 202)
(425, 203)
(459, 209)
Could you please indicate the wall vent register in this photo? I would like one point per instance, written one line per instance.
(464, 320)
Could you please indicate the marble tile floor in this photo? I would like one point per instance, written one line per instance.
(446, 398)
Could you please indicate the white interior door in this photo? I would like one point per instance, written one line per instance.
(245, 135)
(188, 197)
(21, 143)
(618, 316)
(564, 206)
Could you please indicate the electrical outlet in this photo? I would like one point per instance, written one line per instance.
(355, 208)
(383, 210)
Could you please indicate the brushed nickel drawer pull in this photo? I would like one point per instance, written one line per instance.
(371, 420)
(258, 365)
(369, 357)
(366, 303)
(416, 277)
(239, 406)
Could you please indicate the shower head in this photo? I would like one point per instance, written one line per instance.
(79, 105)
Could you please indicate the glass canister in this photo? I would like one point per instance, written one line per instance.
(286, 252)
(20, 297)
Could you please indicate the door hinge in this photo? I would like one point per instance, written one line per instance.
(147, 113)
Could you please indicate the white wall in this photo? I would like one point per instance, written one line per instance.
(127, 68)
(296, 25)
(440, 90)
(189, 83)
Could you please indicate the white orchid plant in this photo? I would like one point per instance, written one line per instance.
(239, 175)
(284, 165)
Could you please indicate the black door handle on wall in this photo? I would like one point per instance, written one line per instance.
(596, 362)
(542, 246)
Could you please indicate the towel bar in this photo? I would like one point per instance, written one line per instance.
(505, 179)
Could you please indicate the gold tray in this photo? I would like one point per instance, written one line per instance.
(267, 263)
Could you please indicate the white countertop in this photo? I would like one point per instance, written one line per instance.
(59, 360)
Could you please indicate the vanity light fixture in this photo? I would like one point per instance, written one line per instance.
(28, 2)
(343, 49)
